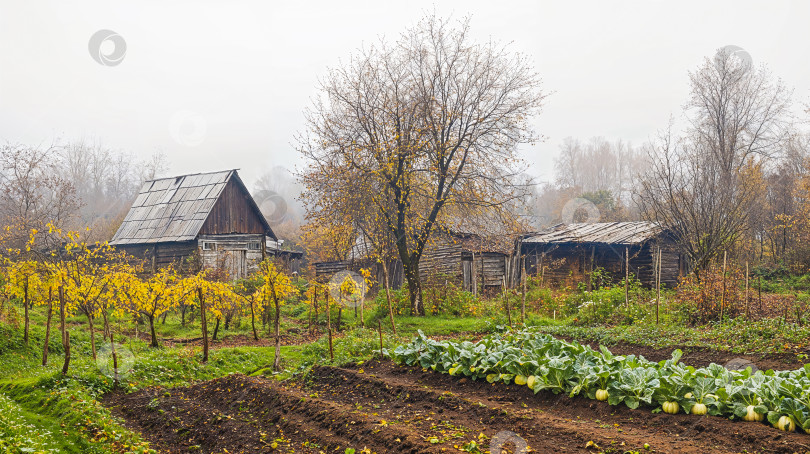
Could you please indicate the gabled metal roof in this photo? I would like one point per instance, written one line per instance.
(173, 209)
(623, 233)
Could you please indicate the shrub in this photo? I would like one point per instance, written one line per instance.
(714, 300)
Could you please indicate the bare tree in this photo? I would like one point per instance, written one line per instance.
(701, 186)
(434, 118)
(32, 192)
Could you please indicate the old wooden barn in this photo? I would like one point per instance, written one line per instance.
(207, 217)
(568, 253)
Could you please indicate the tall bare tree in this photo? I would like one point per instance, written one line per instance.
(32, 191)
(435, 118)
(702, 185)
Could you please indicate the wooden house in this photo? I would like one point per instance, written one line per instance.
(207, 216)
(568, 253)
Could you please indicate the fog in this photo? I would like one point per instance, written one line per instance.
(217, 85)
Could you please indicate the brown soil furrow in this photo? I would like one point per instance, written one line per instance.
(558, 415)
(395, 409)
(247, 414)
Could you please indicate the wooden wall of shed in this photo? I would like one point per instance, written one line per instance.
(232, 213)
(442, 261)
(161, 255)
(570, 263)
(232, 253)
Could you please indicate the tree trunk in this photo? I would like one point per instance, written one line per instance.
(47, 329)
(388, 297)
(92, 334)
(216, 329)
(163, 320)
(183, 315)
(151, 319)
(253, 320)
(62, 312)
(65, 334)
(27, 316)
(277, 325)
(204, 324)
(66, 342)
(414, 287)
(340, 317)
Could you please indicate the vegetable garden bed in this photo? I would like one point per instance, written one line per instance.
(543, 362)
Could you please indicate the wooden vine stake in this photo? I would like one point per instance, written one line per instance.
(379, 329)
(329, 327)
(747, 300)
(523, 306)
(658, 284)
(626, 276)
(723, 295)
(506, 301)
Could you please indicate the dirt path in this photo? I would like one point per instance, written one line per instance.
(394, 409)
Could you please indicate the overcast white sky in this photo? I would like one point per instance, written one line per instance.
(223, 84)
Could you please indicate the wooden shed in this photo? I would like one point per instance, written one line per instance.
(473, 262)
(211, 216)
(568, 253)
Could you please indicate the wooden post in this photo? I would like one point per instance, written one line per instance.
(331, 352)
(658, 284)
(204, 321)
(759, 292)
(47, 328)
(543, 269)
(626, 276)
(523, 306)
(65, 333)
(483, 278)
(362, 311)
(506, 301)
(723, 295)
(115, 361)
(474, 276)
(315, 303)
(747, 300)
(590, 269)
(379, 329)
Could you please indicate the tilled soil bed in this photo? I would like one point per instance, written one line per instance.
(388, 408)
(700, 356)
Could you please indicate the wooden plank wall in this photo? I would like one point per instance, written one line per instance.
(567, 264)
(232, 214)
(231, 253)
(445, 260)
(163, 254)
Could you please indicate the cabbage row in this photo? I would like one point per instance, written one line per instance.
(543, 362)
